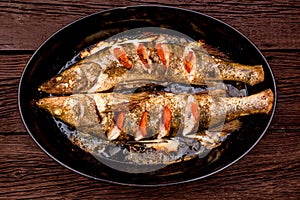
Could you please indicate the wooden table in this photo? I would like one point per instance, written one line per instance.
(271, 170)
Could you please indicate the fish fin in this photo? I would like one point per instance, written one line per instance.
(213, 51)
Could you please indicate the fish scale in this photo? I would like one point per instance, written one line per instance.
(151, 61)
(82, 111)
(152, 127)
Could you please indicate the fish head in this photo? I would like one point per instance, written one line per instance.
(60, 84)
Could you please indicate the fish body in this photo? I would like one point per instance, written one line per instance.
(152, 126)
(141, 116)
(155, 58)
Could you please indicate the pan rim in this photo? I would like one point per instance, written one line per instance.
(25, 70)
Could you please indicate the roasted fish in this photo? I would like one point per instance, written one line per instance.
(144, 59)
(155, 126)
(140, 116)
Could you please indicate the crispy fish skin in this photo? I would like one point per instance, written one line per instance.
(140, 116)
(149, 60)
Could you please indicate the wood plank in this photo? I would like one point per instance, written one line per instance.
(284, 64)
(268, 171)
(11, 68)
(270, 24)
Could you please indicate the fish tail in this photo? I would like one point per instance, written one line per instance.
(250, 75)
(267, 99)
(260, 103)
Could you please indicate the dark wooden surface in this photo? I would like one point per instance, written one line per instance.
(270, 171)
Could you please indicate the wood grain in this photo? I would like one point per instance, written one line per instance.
(10, 73)
(270, 171)
(28, 167)
(270, 24)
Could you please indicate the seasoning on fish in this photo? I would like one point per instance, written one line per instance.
(121, 55)
(163, 54)
(188, 61)
(157, 151)
(194, 110)
(144, 57)
(142, 132)
(182, 114)
(155, 126)
(165, 123)
(120, 120)
(156, 58)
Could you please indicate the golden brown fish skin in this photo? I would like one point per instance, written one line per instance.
(143, 113)
(234, 107)
(243, 73)
(123, 62)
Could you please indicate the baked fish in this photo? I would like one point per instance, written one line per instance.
(147, 58)
(141, 116)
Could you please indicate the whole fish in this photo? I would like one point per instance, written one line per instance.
(147, 58)
(140, 116)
